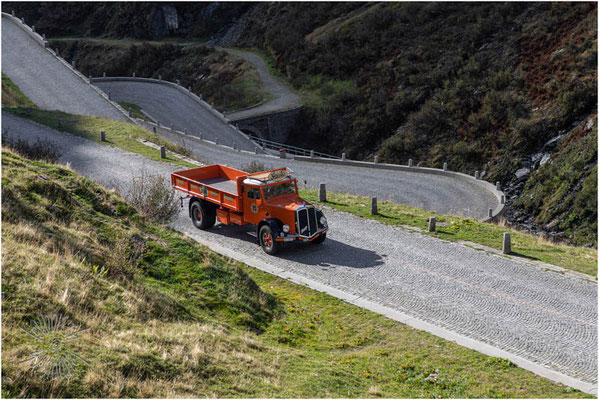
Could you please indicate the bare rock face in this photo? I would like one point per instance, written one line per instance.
(163, 21)
(171, 18)
(522, 173)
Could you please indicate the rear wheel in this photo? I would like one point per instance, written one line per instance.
(320, 239)
(267, 240)
(202, 217)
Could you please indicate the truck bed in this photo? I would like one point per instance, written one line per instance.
(222, 184)
(215, 183)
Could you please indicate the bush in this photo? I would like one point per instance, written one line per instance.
(153, 197)
(42, 150)
(126, 255)
(254, 166)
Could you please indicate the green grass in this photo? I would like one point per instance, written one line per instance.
(118, 134)
(248, 84)
(135, 110)
(177, 320)
(452, 228)
(12, 95)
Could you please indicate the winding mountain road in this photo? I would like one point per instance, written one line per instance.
(545, 321)
(282, 96)
(431, 192)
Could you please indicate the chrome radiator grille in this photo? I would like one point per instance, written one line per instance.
(306, 221)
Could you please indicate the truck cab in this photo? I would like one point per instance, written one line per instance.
(268, 200)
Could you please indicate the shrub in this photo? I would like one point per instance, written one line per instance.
(153, 197)
(126, 255)
(43, 150)
(254, 166)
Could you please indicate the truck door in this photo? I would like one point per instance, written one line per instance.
(252, 204)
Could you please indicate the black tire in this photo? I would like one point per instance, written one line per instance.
(320, 239)
(201, 217)
(267, 240)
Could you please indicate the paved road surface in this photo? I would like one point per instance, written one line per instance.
(282, 97)
(540, 315)
(45, 80)
(432, 192)
(175, 109)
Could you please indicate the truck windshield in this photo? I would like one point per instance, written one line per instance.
(277, 190)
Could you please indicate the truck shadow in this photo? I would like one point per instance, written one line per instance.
(329, 254)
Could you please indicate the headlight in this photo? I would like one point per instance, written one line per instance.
(286, 228)
(323, 221)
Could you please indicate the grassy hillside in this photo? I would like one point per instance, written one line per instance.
(140, 20)
(169, 318)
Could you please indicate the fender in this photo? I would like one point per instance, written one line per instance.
(207, 205)
(274, 224)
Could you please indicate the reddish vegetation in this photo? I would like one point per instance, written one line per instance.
(549, 59)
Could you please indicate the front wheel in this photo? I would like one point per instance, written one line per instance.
(267, 240)
(320, 239)
(202, 219)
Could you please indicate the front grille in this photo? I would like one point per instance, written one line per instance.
(306, 221)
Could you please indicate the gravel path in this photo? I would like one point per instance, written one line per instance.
(282, 97)
(542, 316)
(45, 80)
(173, 108)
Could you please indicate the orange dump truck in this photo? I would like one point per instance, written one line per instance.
(267, 200)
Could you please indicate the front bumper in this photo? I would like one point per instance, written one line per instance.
(294, 237)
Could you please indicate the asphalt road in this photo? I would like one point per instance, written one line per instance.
(540, 315)
(437, 193)
(173, 108)
(45, 80)
(282, 97)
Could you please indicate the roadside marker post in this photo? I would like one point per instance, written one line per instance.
(322, 193)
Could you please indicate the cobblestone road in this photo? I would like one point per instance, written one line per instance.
(542, 316)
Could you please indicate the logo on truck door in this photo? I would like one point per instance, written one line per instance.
(254, 208)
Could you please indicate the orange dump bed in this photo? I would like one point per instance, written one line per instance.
(216, 183)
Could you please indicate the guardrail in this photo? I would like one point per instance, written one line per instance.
(296, 151)
(264, 144)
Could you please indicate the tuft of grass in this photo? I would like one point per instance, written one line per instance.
(453, 228)
(136, 111)
(40, 150)
(184, 320)
(12, 95)
(118, 134)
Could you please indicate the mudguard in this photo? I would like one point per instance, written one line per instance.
(211, 207)
(274, 224)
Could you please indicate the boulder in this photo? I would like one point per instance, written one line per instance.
(545, 158)
(522, 173)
